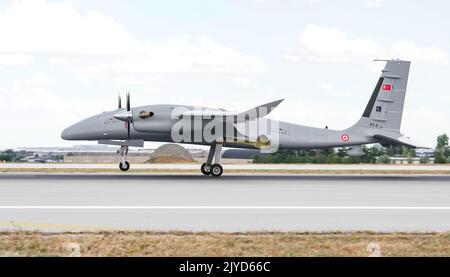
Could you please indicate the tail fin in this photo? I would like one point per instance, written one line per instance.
(385, 107)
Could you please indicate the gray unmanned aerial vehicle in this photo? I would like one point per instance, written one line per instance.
(217, 128)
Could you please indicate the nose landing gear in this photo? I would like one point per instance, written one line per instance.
(124, 165)
(208, 168)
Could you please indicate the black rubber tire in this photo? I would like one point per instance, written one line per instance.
(204, 171)
(124, 166)
(216, 170)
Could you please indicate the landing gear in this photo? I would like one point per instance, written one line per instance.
(216, 170)
(205, 169)
(208, 168)
(124, 165)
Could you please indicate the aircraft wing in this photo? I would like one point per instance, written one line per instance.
(402, 140)
(256, 112)
(209, 113)
(261, 110)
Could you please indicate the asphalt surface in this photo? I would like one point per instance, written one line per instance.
(246, 166)
(191, 202)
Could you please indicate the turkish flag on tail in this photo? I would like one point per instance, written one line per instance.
(387, 87)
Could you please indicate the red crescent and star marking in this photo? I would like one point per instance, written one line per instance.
(387, 87)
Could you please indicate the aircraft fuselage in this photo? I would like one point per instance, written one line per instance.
(159, 126)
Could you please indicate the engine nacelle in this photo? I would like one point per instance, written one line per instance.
(355, 151)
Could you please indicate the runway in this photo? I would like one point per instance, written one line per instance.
(233, 203)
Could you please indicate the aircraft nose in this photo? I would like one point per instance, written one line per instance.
(74, 132)
(84, 130)
(67, 134)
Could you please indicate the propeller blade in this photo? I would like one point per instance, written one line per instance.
(126, 116)
(128, 130)
(131, 118)
(128, 102)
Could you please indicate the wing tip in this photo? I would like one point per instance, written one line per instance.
(276, 103)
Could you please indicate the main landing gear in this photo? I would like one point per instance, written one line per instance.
(124, 165)
(213, 169)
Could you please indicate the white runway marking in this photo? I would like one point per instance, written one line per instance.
(238, 203)
(220, 208)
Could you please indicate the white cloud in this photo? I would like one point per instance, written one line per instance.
(39, 27)
(409, 50)
(374, 3)
(15, 60)
(331, 90)
(245, 82)
(324, 44)
(328, 44)
(36, 109)
(37, 80)
(59, 31)
(183, 54)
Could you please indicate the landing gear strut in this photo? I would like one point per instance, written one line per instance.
(124, 165)
(210, 168)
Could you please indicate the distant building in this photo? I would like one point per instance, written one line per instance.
(425, 153)
(108, 154)
(90, 154)
(402, 160)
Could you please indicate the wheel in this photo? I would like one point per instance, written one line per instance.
(216, 170)
(124, 166)
(205, 169)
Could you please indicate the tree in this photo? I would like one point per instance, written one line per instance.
(394, 150)
(384, 159)
(442, 152)
(7, 155)
(408, 153)
(424, 160)
(326, 155)
(371, 154)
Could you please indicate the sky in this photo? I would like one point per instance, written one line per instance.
(62, 61)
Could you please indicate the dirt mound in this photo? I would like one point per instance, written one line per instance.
(169, 160)
(171, 153)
